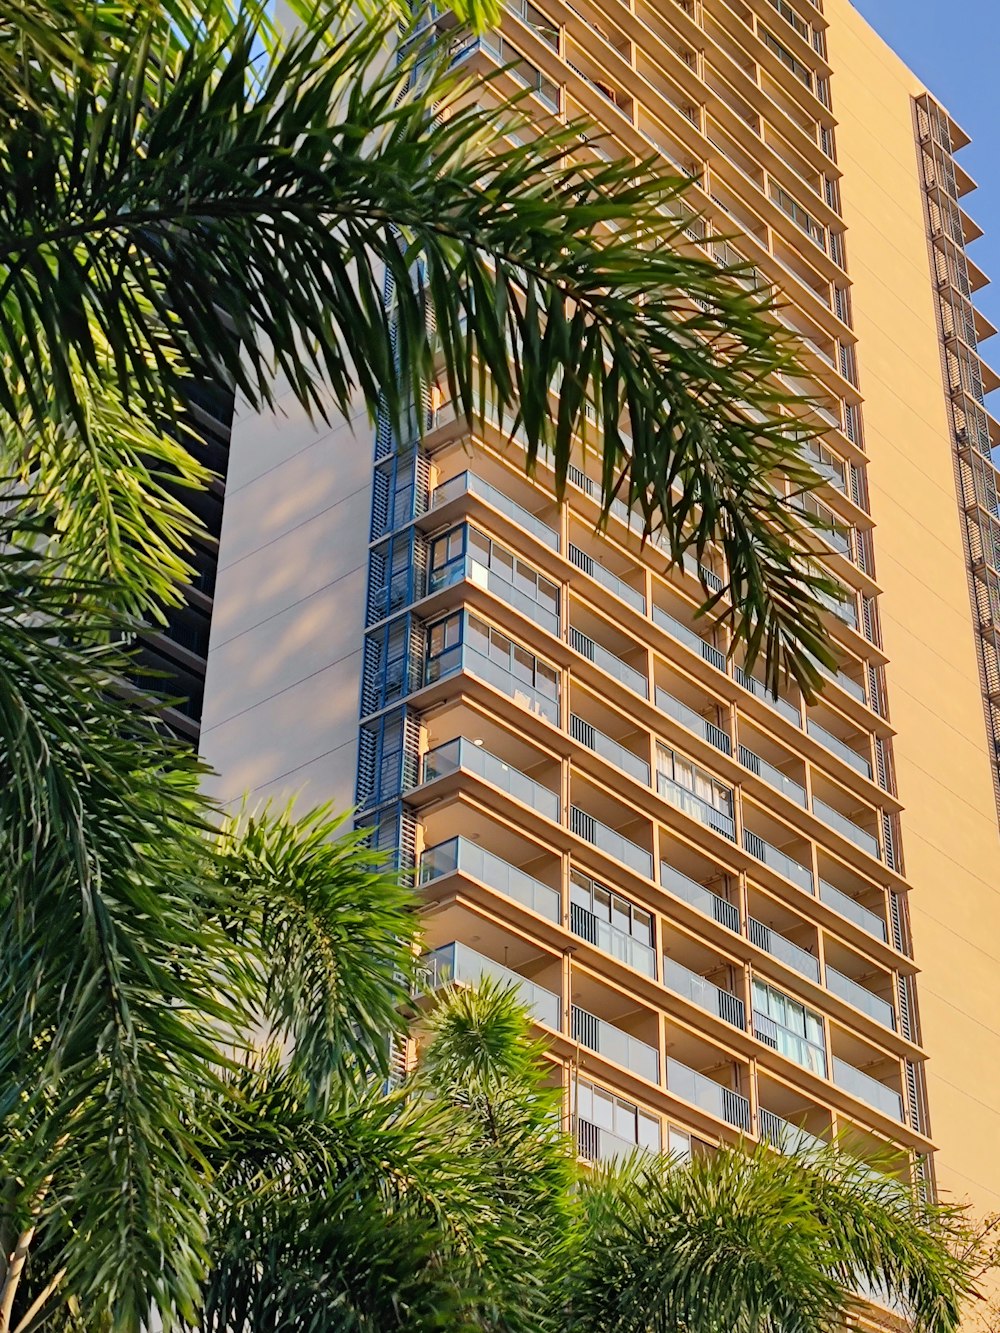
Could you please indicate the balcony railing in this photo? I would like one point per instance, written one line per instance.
(704, 993)
(783, 949)
(467, 483)
(848, 685)
(461, 753)
(869, 921)
(608, 749)
(501, 677)
(861, 998)
(615, 1044)
(596, 1144)
(458, 963)
(866, 841)
(788, 1043)
(867, 1089)
(786, 1137)
(701, 1091)
(839, 748)
(610, 940)
(778, 860)
(705, 813)
(772, 776)
(707, 902)
(460, 854)
(610, 841)
(754, 686)
(616, 586)
(609, 662)
(687, 717)
(689, 638)
(470, 568)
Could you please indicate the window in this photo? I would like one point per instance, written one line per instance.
(447, 558)
(444, 647)
(521, 674)
(678, 768)
(789, 1027)
(617, 1116)
(610, 907)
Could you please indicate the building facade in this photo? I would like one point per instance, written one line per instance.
(730, 914)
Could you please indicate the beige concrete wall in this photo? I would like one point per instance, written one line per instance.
(950, 833)
(281, 696)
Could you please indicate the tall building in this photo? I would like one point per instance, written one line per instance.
(731, 914)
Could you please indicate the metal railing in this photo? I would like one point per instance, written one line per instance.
(866, 841)
(688, 717)
(790, 1044)
(784, 1136)
(611, 841)
(869, 921)
(596, 1144)
(839, 748)
(778, 946)
(461, 854)
(689, 638)
(701, 1091)
(463, 753)
(705, 813)
(609, 662)
(610, 940)
(760, 691)
(458, 963)
(704, 993)
(706, 902)
(861, 998)
(616, 586)
(778, 860)
(772, 776)
(867, 1089)
(608, 749)
(615, 1044)
(467, 483)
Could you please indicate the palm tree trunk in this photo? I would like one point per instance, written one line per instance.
(16, 1260)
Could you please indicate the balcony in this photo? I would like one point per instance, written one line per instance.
(784, 1136)
(609, 841)
(608, 661)
(703, 811)
(785, 950)
(852, 687)
(615, 1044)
(610, 582)
(693, 721)
(867, 1089)
(861, 998)
(840, 748)
(777, 860)
(702, 1091)
(460, 855)
(613, 941)
(847, 828)
(697, 896)
(789, 1043)
(594, 1143)
(848, 907)
(587, 734)
(760, 691)
(457, 963)
(467, 483)
(772, 776)
(682, 981)
(491, 656)
(533, 605)
(689, 638)
(464, 754)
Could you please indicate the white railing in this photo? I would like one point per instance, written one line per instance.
(866, 841)
(868, 1089)
(610, 940)
(861, 998)
(458, 963)
(703, 811)
(704, 993)
(707, 902)
(778, 946)
(839, 748)
(702, 1091)
(609, 662)
(772, 776)
(609, 749)
(869, 921)
(693, 721)
(611, 582)
(611, 841)
(462, 753)
(462, 855)
(778, 860)
(615, 1044)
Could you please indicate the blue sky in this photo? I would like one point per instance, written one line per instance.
(954, 46)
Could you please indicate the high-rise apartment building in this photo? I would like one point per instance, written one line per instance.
(731, 914)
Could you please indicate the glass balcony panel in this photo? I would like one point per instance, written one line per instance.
(689, 638)
(783, 949)
(754, 686)
(772, 776)
(703, 993)
(608, 749)
(610, 841)
(617, 1045)
(469, 483)
(460, 854)
(701, 1091)
(616, 586)
(861, 916)
(611, 940)
(861, 998)
(458, 963)
(462, 753)
(789, 1043)
(866, 841)
(532, 607)
(839, 748)
(494, 673)
(778, 860)
(687, 717)
(597, 1144)
(848, 685)
(784, 1136)
(705, 813)
(609, 662)
(867, 1089)
(707, 902)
